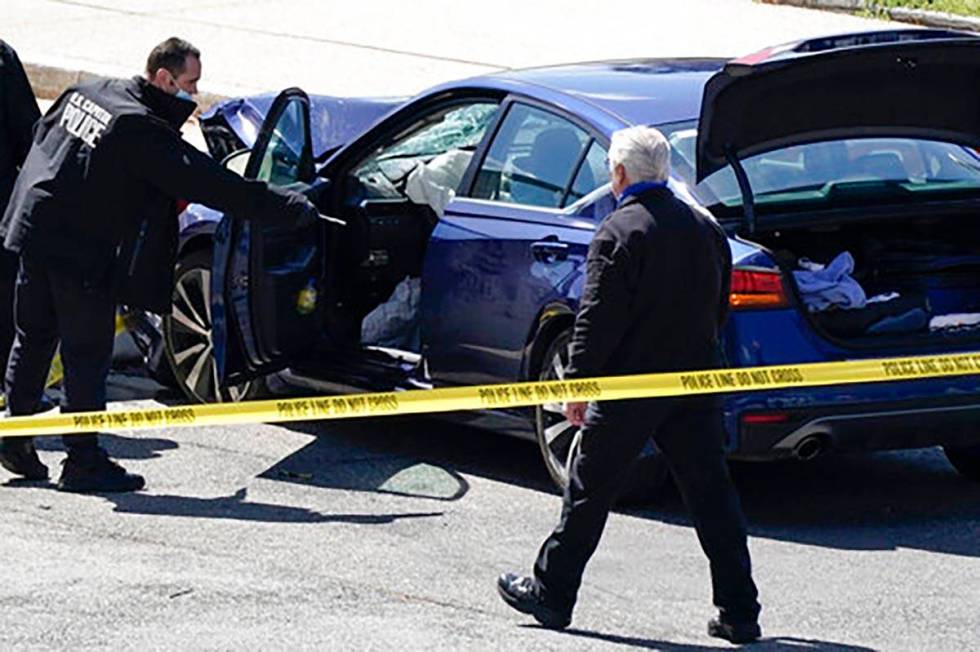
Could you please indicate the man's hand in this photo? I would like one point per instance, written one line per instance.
(575, 413)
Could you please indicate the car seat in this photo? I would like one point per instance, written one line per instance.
(882, 165)
(539, 178)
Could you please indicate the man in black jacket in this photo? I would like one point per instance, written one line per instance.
(655, 300)
(18, 113)
(93, 217)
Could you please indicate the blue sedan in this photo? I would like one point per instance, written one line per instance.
(456, 225)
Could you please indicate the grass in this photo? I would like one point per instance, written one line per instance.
(962, 7)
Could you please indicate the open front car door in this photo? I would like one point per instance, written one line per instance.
(267, 270)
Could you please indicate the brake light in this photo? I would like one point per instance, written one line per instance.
(754, 58)
(755, 289)
(764, 418)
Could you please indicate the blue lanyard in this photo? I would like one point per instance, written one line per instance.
(639, 187)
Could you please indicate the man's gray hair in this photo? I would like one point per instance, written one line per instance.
(643, 151)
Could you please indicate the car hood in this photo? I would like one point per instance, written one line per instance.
(928, 89)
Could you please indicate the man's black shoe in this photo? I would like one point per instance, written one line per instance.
(95, 473)
(524, 594)
(740, 633)
(18, 455)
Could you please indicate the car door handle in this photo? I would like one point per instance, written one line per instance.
(549, 251)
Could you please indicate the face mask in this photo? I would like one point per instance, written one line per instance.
(181, 93)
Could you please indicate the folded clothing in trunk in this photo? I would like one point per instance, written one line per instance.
(824, 287)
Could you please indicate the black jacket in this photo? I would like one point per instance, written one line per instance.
(18, 113)
(97, 193)
(656, 291)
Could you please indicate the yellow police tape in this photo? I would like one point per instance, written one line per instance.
(481, 397)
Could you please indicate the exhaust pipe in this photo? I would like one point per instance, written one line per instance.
(809, 448)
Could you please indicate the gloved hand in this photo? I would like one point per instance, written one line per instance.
(298, 206)
(282, 203)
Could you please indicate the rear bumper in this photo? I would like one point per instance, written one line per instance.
(859, 428)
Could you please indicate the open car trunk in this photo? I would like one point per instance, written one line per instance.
(924, 271)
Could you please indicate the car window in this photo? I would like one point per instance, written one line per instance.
(596, 205)
(456, 127)
(592, 173)
(821, 172)
(531, 159)
(281, 160)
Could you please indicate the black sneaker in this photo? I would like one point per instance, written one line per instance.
(525, 595)
(96, 473)
(739, 633)
(18, 455)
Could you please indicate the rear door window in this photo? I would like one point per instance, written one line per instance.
(533, 158)
(592, 173)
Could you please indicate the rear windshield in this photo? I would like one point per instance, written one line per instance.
(838, 172)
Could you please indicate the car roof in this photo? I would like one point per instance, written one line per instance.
(630, 91)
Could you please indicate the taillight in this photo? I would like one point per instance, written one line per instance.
(764, 418)
(757, 289)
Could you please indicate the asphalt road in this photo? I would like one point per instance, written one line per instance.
(388, 534)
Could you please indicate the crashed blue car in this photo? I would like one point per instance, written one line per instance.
(455, 227)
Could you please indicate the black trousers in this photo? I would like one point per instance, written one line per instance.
(8, 275)
(690, 436)
(51, 305)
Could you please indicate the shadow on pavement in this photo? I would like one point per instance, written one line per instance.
(118, 446)
(882, 501)
(16, 483)
(236, 507)
(366, 455)
(779, 644)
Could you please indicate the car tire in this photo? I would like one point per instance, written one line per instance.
(965, 459)
(187, 336)
(558, 439)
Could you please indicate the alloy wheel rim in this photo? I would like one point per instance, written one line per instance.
(560, 439)
(189, 339)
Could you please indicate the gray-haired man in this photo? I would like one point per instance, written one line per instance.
(655, 300)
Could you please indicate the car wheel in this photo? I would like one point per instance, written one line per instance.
(187, 336)
(559, 439)
(965, 459)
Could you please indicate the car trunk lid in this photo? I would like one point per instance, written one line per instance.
(927, 88)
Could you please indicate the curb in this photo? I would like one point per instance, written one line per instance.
(48, 83)
(934, 19)
(923, 17)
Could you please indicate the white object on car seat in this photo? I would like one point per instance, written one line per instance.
(884, 298)
(955, 320)
(434, 183)
(395, 323)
